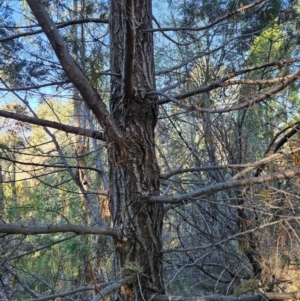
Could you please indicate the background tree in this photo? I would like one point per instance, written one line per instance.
(177, 188)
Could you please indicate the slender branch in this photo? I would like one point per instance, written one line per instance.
(269, 158)
(274, 80)
(234, 236)
(80, 81)
(240, 10)
(248, 167)
(58, 25)
(225, 186)
(67, 293)
(95, 213)
(256, 297)
(12, 251)
(202, 54)
(34, 230)
(61, 167)
(167, 98)
(166, 36)
(36, 87)
(190, 59)
(204, 168)
(44, 247)
(220, 83)
(55, 125)
(243, 104)
(60, 83)
(274, 147)
(22, 283)
(109, 289)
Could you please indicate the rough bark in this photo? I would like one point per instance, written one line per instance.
(134, 173)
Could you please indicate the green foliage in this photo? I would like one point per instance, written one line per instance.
(56, 265)
(266, 15)
(269, 44)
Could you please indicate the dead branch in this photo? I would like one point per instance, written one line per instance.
(33, 230)
(256, 297)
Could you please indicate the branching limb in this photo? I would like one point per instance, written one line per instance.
(240, 10)
(246, 103)
(256, 297)
(95, 213)
(222, 81)
(276, 145)
(205, 168)
(58, 25)
(234, 236)
(22, 283)
(54, 125)
(274, 80)
(43, 247)
(60, 83)
(208, 190)
(45, 165)
(63, 294)
(33, 230)
(266, 160)
(166, 36)
(75, 74)
(109, 289)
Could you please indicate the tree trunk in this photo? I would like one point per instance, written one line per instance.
(134, 172)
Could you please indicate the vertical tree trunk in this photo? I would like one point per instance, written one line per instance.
(134, 173)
